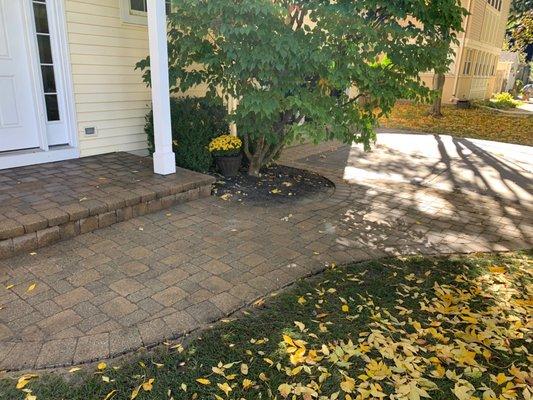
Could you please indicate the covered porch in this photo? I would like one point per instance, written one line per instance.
(70, 93)
(47, 194)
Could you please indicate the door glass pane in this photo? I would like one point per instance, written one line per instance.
(45, 49)
(49, 82)
(41, 19)
(51, 99)
(52, 107)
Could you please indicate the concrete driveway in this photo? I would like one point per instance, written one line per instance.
(439, 161)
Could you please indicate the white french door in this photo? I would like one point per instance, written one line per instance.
(20, 127)
(33, 112)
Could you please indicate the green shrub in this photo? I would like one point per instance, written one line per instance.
(503, 101)
(195, 122)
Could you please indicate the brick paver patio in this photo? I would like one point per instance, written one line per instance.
(159, 276)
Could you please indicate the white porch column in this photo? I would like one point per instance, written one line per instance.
(164, 159)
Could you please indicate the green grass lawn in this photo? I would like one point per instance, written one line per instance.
(476, 123)
(439, 328)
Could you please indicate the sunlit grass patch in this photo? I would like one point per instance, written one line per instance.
(476, 123)
(404, 328)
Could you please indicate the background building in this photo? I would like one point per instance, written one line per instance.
(472, 74)
(507, 71)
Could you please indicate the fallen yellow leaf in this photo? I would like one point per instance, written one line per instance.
(24, 380)
(148, 385)
(247, 384)
(135, 392)
(284, 390)
(348, 385)
(110, 394)
(224, 387)
(244, 369)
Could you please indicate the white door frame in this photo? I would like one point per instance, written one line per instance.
(59, 38)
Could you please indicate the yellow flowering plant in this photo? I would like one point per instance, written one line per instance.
(225, 145)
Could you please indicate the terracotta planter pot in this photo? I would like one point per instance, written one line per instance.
(229, 165)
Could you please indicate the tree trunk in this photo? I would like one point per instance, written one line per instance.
(261, 152)
(438, 86)
(255, 165)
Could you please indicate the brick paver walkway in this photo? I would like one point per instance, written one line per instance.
(161, 275)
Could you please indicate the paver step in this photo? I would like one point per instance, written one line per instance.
(44, 204)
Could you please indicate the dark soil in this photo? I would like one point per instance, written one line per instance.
(277, 183)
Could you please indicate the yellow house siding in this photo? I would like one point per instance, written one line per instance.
(109, 93)
(476, 19)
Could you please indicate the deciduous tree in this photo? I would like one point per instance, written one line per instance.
(290, 63)
(520, 28)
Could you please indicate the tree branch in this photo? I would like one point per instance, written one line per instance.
(274, 151)
(352, 100)
(246, 146)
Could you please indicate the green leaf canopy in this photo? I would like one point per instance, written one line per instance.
(291, 64)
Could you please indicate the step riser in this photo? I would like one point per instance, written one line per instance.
(50, 235)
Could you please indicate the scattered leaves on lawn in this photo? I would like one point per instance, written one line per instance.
(474, 123)
(398, 329)
(456, 335)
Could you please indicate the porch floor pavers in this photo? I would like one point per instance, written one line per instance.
(161, 275)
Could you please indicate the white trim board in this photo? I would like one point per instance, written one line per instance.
(20, 158)
(60, 19)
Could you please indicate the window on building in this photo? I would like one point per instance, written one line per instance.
(467, 67)
(140, 6)
(476, 67)
(134, 11)
(497, 4)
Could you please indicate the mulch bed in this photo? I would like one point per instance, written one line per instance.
(277, 183)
